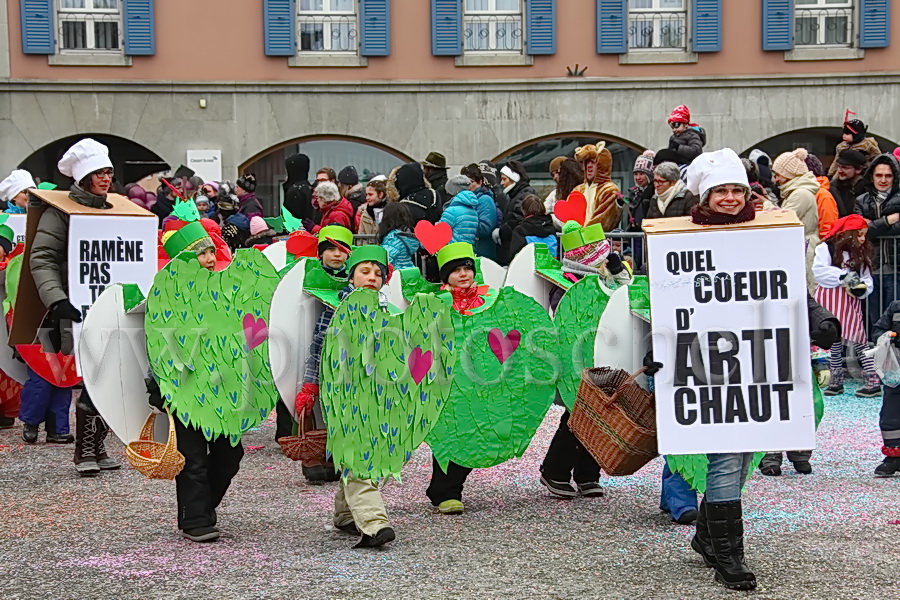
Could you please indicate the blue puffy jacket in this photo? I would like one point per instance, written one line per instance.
(488, 219)
(462, 216)
(400, 248)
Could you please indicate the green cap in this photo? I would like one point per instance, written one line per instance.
(370, 253)
(337, 233)
(46, 185)
(185, 238)
(576, 236)
(455, 251)
(7, 233)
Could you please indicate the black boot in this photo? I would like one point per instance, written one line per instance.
(726, 529)
(85, 442)
(29, 433)
(103, 460)
(702, 543)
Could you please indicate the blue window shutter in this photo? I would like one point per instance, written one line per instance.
(541, 18)
(375, 27)
(279, 27)
(706, 16)
(612, 23)
(778, 24)
(874, 23)
(139, 27)
(36, 17)
(446, 27)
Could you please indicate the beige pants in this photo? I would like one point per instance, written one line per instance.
(359, 501)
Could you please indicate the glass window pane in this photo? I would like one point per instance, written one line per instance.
(507, 36)
(342, 35)
(835, 30)
(105, 4)
(640, 33)
(507, 5)
(311, 5)
(106, 35)
(805, 30)
(71, 4)
(476, 5)
(312, 36)
(804, 1)
(476, 36)
(342, 5)
(641, 4)
(670, 31)
(672, 4)
(73, 34)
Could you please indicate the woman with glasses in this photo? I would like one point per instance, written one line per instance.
(672, 198)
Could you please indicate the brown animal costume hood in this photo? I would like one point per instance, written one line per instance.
(599, 153)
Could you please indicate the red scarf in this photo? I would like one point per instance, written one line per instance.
(702, 215)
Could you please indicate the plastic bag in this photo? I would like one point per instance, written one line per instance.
(885, 356)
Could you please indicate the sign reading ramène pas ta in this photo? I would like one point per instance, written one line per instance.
(728, 308)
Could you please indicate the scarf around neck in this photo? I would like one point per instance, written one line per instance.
(86, 198)
(702, 215)
(663, 200)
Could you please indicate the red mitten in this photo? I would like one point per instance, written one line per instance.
(306, 397)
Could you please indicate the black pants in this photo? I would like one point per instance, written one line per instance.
(208, 470)
(284, 422)
(889, 419)
(446, 486)
(567, 457)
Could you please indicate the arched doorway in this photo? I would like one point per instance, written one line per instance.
(537, 154)
(817, 140)
(337, 152)
(131, 160)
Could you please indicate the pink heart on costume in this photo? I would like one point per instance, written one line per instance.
(503, 345)
(255, 330)
(419, 364)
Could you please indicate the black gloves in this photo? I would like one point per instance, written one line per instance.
(155, 399)
(64, 310)
(825, 335)
(614, 263)
(308, 225)
(651, 366)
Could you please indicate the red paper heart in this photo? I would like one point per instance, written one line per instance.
(503, 345)
(58, 369)
(573, 208)
(433, 237)
(303, 244)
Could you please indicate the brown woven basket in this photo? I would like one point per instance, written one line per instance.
(308, 446)
(615, 420)
(153, 459)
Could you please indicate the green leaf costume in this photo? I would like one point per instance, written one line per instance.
(495, 405)
(207, 342)
(385, 379)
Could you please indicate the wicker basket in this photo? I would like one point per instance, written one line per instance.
(615, 420)
(307, 446)
(153, 459)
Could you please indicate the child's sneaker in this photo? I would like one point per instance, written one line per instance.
(450, 507)
(590, 489)
(201, 534)
(869, 392)
(563, 489)
(834, 390)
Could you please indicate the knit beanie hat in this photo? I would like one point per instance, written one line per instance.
(791, 164)
(585, 245)
(857, 129)
(556, 163)
(257, 225)
(644, 163)
(457, 184)
(201, 199)
(680, 114)
(851, 158)
(348, 175)
(247, 182)
(815, 165)
(455, 255)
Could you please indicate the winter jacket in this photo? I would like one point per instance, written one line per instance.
(264, 238)
(679, 206)
(799, 195)
(368, 218)
(534, 229)
(163, 206)
(868, 205)
(845, 193)
(339, 213)
(297, 191)
(438, 181)
(250, 207)
(400, 246)
(688, 144)
(422, 201)
(826, 207)
(511, 218)
(885, 322)
(638, 205)
(868, 146)
(356, 196)
(488, 217)
(461, 214)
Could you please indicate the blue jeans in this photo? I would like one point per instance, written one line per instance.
(726, 475)
(676, 496)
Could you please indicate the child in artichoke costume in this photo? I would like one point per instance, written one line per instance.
(358, 506)
(334, 248)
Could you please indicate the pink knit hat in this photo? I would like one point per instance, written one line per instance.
(257, 225)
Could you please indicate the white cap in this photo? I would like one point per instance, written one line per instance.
(17, 181)
(711, 169)
(84, 158)
(756, 154)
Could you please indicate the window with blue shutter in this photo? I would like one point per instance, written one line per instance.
(541, 19)
(706, 16)
(279, 26)
(446, 27)
(778, 24)
(36, 18)
(375, 27)
(611, 25)
(874, 23)
(139, 27)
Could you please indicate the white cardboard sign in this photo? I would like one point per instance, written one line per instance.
(106, 250)
(207, 164)
(16, 222)
(730, 326)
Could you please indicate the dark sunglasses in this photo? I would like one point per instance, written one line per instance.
(676, 125)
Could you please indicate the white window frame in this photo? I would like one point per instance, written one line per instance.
(494, 17)
(656, 15)
(330, 20)
(90, 15)
(826, 10)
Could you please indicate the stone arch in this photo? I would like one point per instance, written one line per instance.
(817, 140)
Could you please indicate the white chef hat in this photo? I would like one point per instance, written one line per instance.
(711, 169)
(17, 181)
(84, 158)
